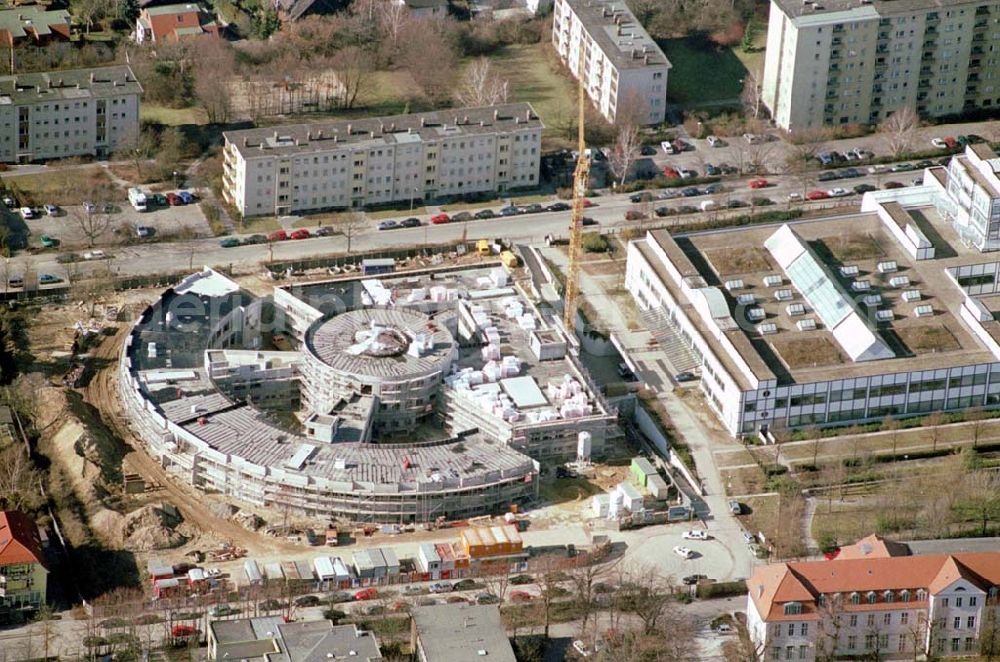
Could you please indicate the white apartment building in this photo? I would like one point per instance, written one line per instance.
(57, 114)
(856, 61)
(310, 167)
(623, 69)
(873, 603)
(969, 196)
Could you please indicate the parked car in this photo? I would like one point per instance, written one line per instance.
(667, 147)
(369, 593)
(735, 508)
(939, 143)
(157, 200)
(16, 280)
(9, 201)
(486, 598)
(510, 210)
(668, 194)
(973, 139)
(736, 204)
(307, 601)
(96, 254)
(643, 196)
(301, 233)
(663, 211)
(465, 585)
(687, 173)
(851, 173)
(714, 141)
(48, 242)
(712, 189)
(186, 197)
(410, 223)
(324, 231)
(174, 200)
(143, 231)
(686, 376)
(532, 209)
(690, 192)
(462, 216)
(683, 552)
(483, 214)
(588, 221)
(255, 239)
(760, 202)
(52, 210)
(27, 213)
(647, 150)
(795, 197)
(388, 225)
(724, 628)
(950, 142)
(411, 589)
(712, 170)
(817, 195)
(229, 242)
(691, 580)
(838, 192)
(441, 587)
(759, 183)
(521, 596)
(277, 235)
(558, 206)
(827, 176)
(581, 648)
(891, 185)
(440, 219)
(694, 534)
(862, 153)
(749, 538)
(861, 189)
(670, 172)
(902, 167)
(924, 164)
(182, 631)
(686, 209)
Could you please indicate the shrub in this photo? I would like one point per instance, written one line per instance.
(721, 589)
(595, 242)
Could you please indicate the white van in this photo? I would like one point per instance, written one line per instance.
(667, 147)
(709, 205)
(137, 199)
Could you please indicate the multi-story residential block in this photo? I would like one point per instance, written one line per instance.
(625, 72)
(857, 61)
(23, 575)
(969, 196)
(871, 602)
(57, 114)
(309, 167)
(172, 23)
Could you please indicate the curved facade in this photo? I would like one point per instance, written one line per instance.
(218, 443)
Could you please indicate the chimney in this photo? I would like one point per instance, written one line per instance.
(423, 121)
(381, 127)
(371, 133)
(527, 115)
(645, 59)
(482, 123)
(319, 135)
(335, 138)
(409, 129)
(349, 129)
(456, 120)
(245, 141)
(496, 115)
(91, 76)
(392, 127)
(760, 590)
(517, 120)
(465, 120)
(635, 53)
(309, 135)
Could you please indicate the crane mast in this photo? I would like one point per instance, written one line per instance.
(581, 177)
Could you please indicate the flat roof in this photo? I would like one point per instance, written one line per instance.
(291, 139)
(69, 84)
(876, 8)
(524, 391)
(793, 356)
(453, 632)
(618, 33)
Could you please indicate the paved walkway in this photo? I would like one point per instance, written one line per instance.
(688, 425)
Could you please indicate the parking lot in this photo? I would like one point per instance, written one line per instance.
(68, 226)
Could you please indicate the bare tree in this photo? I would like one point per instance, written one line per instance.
(752, 95)
(900, 130)
(213, 70)
(481, 85)
(350, 223)
(18, 480)
(93, 223)
(648, 595)
(981, 497)
(933, 422)
(584, 577)
(354, 71)
(989, 631)
(137, 146)
(891, 425)
(624, 151)
(498, 583)
(392, 18)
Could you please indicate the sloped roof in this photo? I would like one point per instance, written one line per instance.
(19, 539)
(871, 547)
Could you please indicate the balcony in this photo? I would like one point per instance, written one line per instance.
(931, 30)
(835, 55)
(930, 44)
(933, 18)
(973, 78)
(837, 41)
(977, 50)
(924, 84)
(980, 26)
(928, 56)
(922, 96)
(983, 10)
(839, 27)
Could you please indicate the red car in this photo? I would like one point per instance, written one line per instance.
(671, 172)
(892, 185)
(587, 203)
(366, 594)
(174, 200)
(680, 145)
(759, 183)
(440, 218)
(951, 142)
(817, 195)
(300, 234)
(521, 596)
(277, 235)
(633, 215)
(182, 631)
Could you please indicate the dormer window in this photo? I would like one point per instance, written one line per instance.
(904, 595)
(821, 600)
(993, 591)
(871, 597)
(921, 595)
(855, 598)
(793, 608)
(887, 597)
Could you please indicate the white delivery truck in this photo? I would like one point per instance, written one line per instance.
(137, 199)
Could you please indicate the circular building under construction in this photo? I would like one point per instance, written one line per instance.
(407, 411)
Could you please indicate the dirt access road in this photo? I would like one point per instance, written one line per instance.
(102, 393)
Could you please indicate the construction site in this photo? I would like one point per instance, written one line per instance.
(414, 397)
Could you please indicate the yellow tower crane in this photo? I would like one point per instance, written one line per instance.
(581, 177)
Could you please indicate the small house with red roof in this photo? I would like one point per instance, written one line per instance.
(172, 23)
(23, 575)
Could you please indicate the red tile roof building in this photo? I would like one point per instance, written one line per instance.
(872, 599)
(23, 576)
(172, 23)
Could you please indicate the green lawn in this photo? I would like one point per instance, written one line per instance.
(395, 213)
(702, 71)
(259, 224)
(534, 79)
(172, 116)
